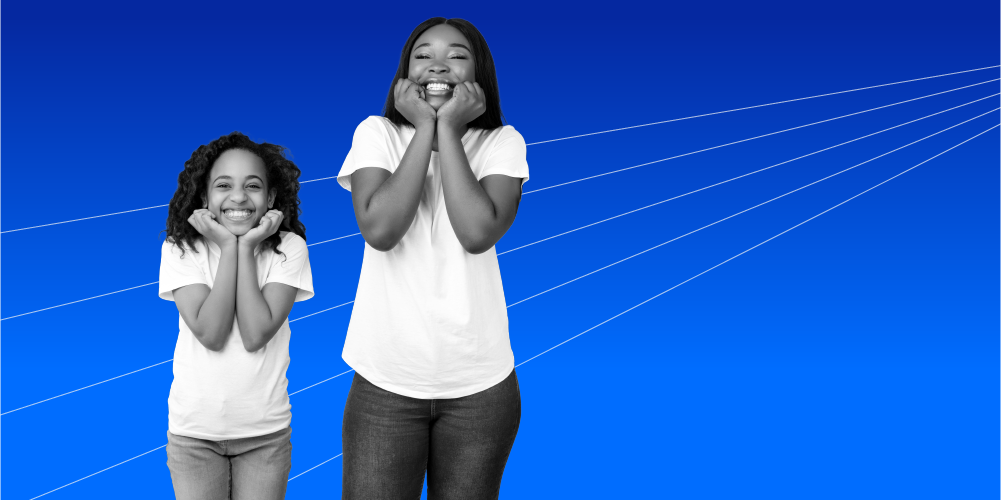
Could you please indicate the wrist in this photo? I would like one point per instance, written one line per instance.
(446, 127)
(428, 125)
(246, 244)
(229, 244)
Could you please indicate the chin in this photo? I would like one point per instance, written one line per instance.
(437, 102)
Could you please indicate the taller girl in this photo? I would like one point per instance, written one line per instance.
(435, 183)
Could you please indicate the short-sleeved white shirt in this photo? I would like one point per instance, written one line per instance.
(231, 393)
(429, 319)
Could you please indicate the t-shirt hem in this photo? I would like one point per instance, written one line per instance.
(449, 394)
(223, 437)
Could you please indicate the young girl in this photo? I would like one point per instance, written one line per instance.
(234, 261)
(435, 183)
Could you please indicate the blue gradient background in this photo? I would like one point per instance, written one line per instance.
(854, 357)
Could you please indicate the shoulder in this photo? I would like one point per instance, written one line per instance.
(291, 240)
(377, 125)
(502, 136)
(172, 249)
(291, 245)
(507, 133)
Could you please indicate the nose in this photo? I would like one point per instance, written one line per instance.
(238, 195)
(437, 67)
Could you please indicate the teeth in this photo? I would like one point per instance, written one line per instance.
(237, 214)
(437, 86)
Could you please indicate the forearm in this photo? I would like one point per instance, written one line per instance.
(258, 321)
(214, 319)
(385, 216)
(474, 217)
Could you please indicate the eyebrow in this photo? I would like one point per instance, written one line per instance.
(428, 44)
(251, 176)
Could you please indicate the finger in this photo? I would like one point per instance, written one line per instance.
(479, 90)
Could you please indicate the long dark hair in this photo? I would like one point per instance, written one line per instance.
(483, 64)
(192, 184)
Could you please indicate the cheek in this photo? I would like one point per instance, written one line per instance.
(261, 202)
(414, 73)
(214, 201)
(466, 72)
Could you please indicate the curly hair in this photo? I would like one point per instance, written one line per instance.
(192, 185)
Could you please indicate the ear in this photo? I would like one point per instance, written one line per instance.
(271, 198)
(205, 201)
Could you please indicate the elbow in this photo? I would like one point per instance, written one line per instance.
(253, 346)
(381, 240)
(213, 342)
(476, 246)
(254, 341)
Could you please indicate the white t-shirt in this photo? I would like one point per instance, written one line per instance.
(232, 393)
(429, 319)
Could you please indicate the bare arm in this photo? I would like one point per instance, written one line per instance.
(259, 312)
(385, 204)
(480, 212)
(208, 312)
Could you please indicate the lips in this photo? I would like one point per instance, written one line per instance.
(238, 215)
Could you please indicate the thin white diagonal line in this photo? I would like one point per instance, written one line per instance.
(82, 218)
(167, 361)
(755, 246)
(315, 466)
(320, 382)
(139, 286)
(100, 471)
(739, 177)
(752, 138)
(78, 301)
(323, 311)
(333, 239)
(756, 106)
(87, 387)
(320, 179)
(746, 210)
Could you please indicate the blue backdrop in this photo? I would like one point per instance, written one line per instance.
(853, 357)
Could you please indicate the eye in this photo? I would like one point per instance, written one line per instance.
(422, 56)
(222, 185)
(458, 56)
(253, 186)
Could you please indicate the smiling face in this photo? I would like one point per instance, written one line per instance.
(238, 193)
(441, 58)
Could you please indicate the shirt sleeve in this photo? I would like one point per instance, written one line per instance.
(368, 149)
(177, 271)
(292, 268)
(508, 156)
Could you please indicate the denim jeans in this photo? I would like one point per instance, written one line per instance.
(254, 468)
(390, 441)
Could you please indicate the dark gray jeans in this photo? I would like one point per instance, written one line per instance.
(390, 441)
